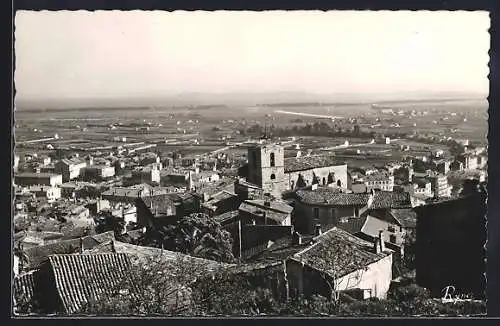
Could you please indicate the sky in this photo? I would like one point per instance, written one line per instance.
(110, 54)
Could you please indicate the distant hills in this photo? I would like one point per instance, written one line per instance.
(249, 98)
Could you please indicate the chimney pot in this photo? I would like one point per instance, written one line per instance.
(381, 240)
(317, 230)
(297, 238)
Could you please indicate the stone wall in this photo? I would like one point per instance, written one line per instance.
(339, 172)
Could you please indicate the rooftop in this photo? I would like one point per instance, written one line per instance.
(226, 217)
(220, 196)
(388, 199)
(84, 278)
(161, 204)
(275, 205)
(293, 164)
(36, 175)
(406, 217)
(368, 225)
(141, 254)
(37, 255)
(72, 161)
(338, 253)
(377, 176)
(331, 196)
(279, 212)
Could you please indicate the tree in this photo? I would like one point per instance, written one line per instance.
(196, 234)
(301, 183)
(315, 179)
(470, 186)
(409, 250)
(356, 130)
(331, 177)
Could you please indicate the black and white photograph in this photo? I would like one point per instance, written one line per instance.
(249, 164)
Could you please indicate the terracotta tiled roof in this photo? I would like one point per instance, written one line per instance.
(24, 287)
(354, 225)
(143, 254)
(406, 217)
(368, 227)
(80, 279)
(387, 199)
(275, 205)
(377, 176)
(255, 235)
(277, 211)
(218, 197)
(37, 255)
(293, 164)
(331, 196)
(338, 253)
(226, 217)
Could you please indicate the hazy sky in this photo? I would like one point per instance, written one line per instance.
(113, 54)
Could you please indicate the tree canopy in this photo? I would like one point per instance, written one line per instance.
(196, 234)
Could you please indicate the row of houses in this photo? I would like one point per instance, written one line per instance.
(63, 278)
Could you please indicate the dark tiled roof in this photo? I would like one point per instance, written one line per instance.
(378, 176)
(80, 279)
(37, 255)
(255, 235)
(282, 248)
(331, 196)
(353, 225)
(406, 217)
(387, 199)
(274, 213)
(227, 217)
(35, 175)
(338, 253)
(212, 188)
(275, 205)
(72, 161)
(310, 162)
(220, 196)
(143, 254)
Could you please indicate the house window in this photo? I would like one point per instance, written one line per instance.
(356, 211)
(400, 229)
(392, 238)
(391, 228)
(273, 176)
(339, 183)
(324, 181)
(272, 160)
(316, 212)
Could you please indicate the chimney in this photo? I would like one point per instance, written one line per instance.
(370, 199)
(297, 238)
(317, 230)
(376, 245)
(381, 240)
